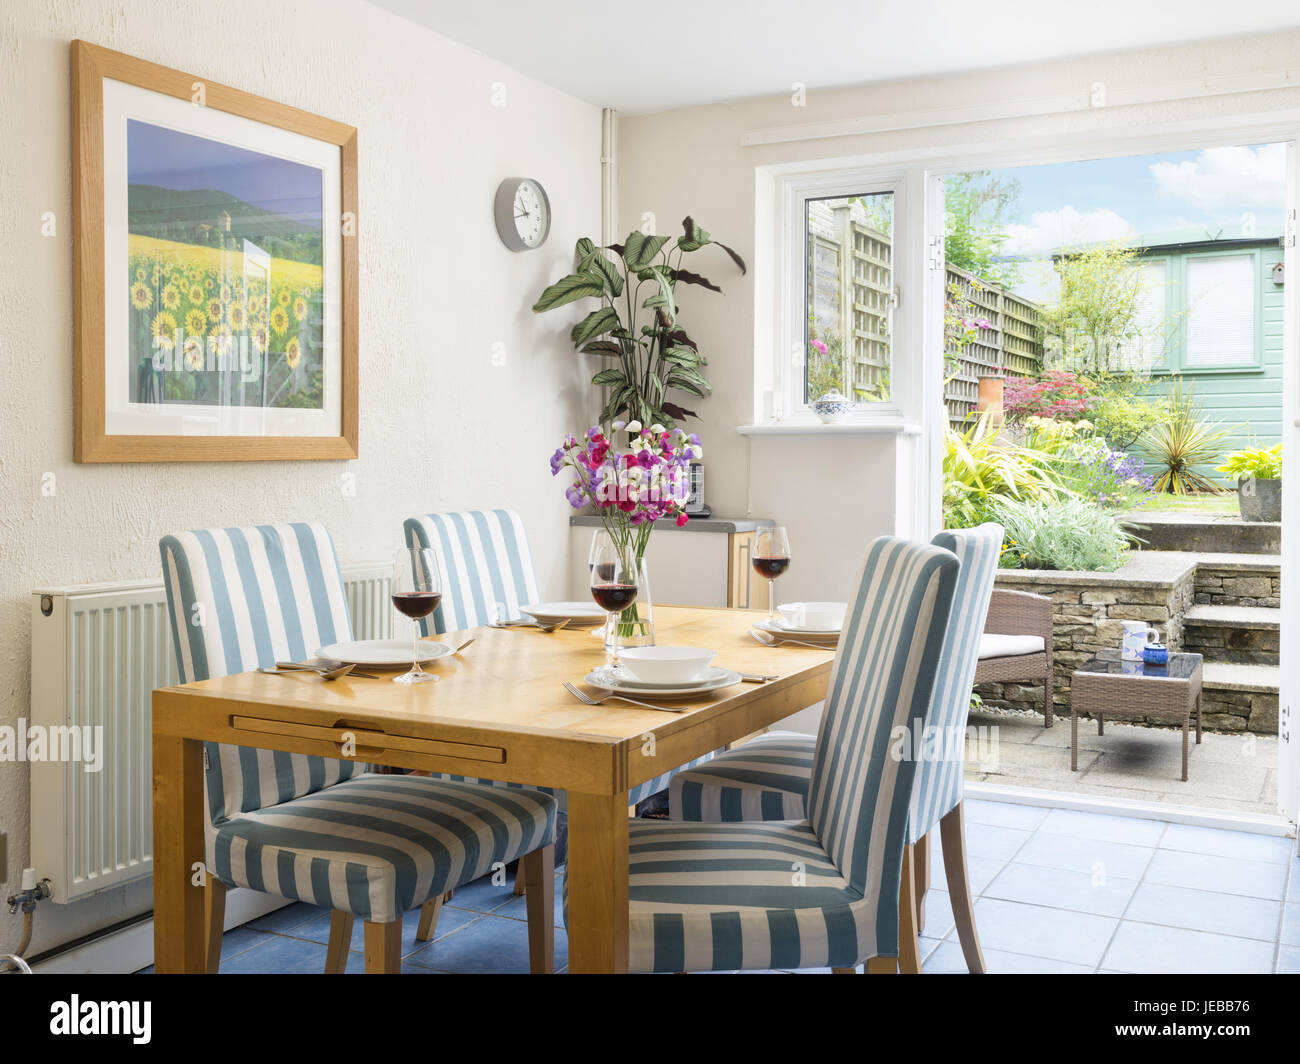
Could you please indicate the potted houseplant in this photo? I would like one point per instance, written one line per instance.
(1258, 473)
(630, 490)
(651, 354)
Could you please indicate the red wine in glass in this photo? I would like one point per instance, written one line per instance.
(614, 576)
(770, 568)
(416, 604)
(771, 558)
(614, 598)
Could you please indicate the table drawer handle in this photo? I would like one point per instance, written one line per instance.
(371, 740)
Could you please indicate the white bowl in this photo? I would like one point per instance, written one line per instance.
(819, 615)
(667, 665)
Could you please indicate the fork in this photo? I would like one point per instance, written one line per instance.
(286, 668)
(555, 627)
(769, 641)
(582, 696)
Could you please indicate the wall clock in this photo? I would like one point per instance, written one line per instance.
(523, 213)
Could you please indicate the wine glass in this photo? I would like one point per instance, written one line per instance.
(770, 559)
(614, 572)
(601, 541)
(417, 591)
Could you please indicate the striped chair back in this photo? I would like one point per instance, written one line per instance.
(938, 786)
(241, 598)
(880, 684)
(484, 558)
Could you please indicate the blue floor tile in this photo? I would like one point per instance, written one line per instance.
(1083, 892)
(1103, 826)
(1174, 950)
(1291, 924)
(318, 928)
(988, 840)
(487, 945)
(1288, 960)
(948, 960)
(518, 908)
(282, 955)
(285, 919)
(483, 895)
(1054, 934)
(1204, 910)
(1003, 814)
(981, 871)
(1239, 845)
(1293, 884)
(1117, 860)
(1224, 875)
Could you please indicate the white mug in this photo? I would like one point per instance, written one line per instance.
(1136, 636)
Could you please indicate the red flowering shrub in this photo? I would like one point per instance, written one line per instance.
(1060, 395)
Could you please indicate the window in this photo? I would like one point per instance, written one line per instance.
(1148, 350)
(849, 297)
(1221, 298)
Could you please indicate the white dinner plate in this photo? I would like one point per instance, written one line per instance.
(382, 652)
(563, 611)
(718, 679)
(779, 627)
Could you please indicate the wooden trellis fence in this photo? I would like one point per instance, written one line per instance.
(1013, 345)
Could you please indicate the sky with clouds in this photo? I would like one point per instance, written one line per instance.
(1216, 193)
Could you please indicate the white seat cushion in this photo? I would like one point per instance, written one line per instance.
(1009, 646)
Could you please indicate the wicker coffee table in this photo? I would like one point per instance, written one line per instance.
(1108, 686)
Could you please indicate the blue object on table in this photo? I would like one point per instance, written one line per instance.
(1156, 654)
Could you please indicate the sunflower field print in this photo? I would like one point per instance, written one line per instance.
(225, 278)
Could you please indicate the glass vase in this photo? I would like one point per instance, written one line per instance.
(636, 624)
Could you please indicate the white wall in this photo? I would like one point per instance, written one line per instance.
(441, 426)
(691, 161)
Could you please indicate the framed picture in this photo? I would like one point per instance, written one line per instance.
(215, 264)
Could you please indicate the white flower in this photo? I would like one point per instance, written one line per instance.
(657, 429)
(698, 451)
(634, 426)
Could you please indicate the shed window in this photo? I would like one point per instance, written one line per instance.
(1221, 311)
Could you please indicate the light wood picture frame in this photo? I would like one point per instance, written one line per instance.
(272, 373)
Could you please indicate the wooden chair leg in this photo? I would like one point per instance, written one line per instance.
(429, 913)
(909, 944)
(952, 837)
(882, 966)
(214, 907)
(540, 904)
(336, 954)
(922, 879)
(383, 948)
(521, 878)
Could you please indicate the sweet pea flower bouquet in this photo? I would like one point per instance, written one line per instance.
(630, 489)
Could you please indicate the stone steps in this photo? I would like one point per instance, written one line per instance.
(1205, 534)
(1241, 635)
(1238, 697)
(1239, 580)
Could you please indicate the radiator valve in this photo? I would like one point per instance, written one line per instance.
(31, 893)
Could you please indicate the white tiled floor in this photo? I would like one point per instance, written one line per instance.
(1062, 891)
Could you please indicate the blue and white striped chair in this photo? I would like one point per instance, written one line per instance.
(769, 778)
(820, 891)
(316, 829)
(485, 560)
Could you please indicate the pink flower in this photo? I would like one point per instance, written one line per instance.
(818, 346)
(682, 519)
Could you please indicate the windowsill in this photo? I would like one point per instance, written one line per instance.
(1193, 371)
(813, 427)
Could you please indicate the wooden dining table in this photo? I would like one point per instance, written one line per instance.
(499, 711)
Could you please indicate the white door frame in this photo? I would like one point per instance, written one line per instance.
(919, 472)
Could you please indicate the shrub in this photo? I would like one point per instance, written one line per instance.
(1060, 395)
(1258, 463)
(1120, 410)
(1183, 442)
(1066, 534)
(1110, 478)
(979, 468)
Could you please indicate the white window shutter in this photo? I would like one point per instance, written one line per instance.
(1221, 311)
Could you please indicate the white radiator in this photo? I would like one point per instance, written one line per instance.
(98, 651)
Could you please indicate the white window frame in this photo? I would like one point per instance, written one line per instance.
(784, 405)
